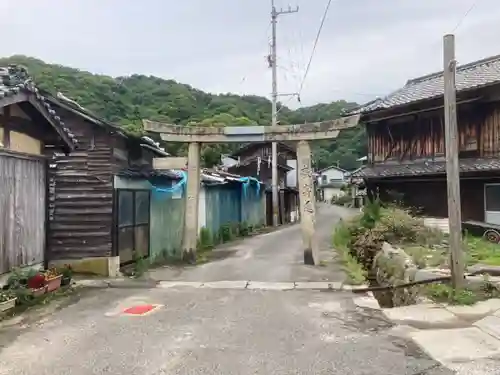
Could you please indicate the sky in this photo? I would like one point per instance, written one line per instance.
(367, 48)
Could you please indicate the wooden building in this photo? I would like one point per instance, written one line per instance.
(406, 146)
(29, 129)
(99, 216)
(254, 160)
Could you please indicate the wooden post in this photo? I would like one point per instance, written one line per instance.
(452, 166)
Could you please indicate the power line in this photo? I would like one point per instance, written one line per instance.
(315, 45)
(465, 15)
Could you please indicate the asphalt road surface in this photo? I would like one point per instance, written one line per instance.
(219, 331)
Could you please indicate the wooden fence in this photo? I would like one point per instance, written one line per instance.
(22, 210)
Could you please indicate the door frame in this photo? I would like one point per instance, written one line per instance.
(116, 225)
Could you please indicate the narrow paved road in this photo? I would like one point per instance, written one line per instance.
(275, 257)
(219, 331)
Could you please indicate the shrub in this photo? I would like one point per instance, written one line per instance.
(341, 200)
(205, 241)
(225, 233)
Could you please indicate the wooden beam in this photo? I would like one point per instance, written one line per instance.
(242, 134)
(57, 127)
(170, 163)
(6, 127)
(17, 98)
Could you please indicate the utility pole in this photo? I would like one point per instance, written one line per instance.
(452, 169)
(273, 62)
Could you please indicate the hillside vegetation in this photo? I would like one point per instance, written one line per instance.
(127, 100)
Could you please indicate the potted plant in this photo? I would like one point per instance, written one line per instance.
(53, 279)
(67, 274)
(7, 301)
(37, 284)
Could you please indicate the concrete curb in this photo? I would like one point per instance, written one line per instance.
(324, 286)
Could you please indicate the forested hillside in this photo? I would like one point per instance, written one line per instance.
(127, 100)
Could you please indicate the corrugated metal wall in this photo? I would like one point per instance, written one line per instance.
(223, 205)
(252, 207)
(22, 211)
(167, 224)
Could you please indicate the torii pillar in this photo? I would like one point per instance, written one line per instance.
(303, 133)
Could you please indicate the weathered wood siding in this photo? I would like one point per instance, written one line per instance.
(81, 193)
(413, 138)
(22, 210)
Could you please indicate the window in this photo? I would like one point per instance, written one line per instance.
(133, 224)
(492, 198)
(323, 179)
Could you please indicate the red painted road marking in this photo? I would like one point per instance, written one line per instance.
(140, 309)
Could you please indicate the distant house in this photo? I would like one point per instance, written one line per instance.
(255, 160)
(330, 182)
(406, 143)
(30, 128)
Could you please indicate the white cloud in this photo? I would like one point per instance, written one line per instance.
(367, 48)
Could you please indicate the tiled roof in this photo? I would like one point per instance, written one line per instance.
(473, 75)
(426, 168)
(15, 79)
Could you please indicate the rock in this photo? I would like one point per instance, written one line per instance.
(422, 316)
(479, 269)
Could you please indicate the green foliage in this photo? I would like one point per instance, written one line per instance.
(371, 213)
(225, 233)
(341, 200)
(482, 251)
(446, 293)
(128, 100)
(205, 242)
(356, 275)
(243, 229)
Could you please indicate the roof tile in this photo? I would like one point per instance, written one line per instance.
(473, 75)
(15, 79)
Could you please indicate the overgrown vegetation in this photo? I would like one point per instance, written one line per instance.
(355, 273)
(128, 100)
(341, 200)
(359, 242)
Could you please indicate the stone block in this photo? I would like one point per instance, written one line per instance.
(319, 285)
(175, 284)
(490, 325)
(366, 303)
(422, 316)
(476, 311)
(270, 285)
(225, 285)
(457, 345)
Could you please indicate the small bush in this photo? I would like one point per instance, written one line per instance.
(341, 200)
(356, 275)
(225, 233)
(205, 241)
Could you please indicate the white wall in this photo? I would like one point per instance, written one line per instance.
(291, 176)
(202, 209)
(331, 174)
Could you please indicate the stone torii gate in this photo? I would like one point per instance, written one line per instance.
(302, 134)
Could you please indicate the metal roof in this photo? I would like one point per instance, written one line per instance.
(474, 75)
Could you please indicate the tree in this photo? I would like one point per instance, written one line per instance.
(128, 100)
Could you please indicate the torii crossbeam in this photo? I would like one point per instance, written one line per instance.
(302, 133)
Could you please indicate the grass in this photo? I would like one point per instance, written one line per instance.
(356, 275)
(481, 251)
(446, 293)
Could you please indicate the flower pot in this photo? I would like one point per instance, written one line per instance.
(54, 283)
(39, 292)
(7, 305)
(66, 280)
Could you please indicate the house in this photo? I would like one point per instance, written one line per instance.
(99, 213)
(330, 182)
(255, 160)
(406, 145)
(30, 128)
